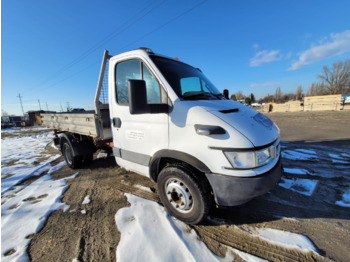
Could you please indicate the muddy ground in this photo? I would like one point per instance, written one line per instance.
(94, 236)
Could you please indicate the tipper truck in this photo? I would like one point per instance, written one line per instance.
(164, 119)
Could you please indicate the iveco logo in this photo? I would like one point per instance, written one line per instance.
(263, 120)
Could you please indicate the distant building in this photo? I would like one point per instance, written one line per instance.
(10, 121)
(35, 117)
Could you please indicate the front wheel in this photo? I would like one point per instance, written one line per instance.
(183, 194)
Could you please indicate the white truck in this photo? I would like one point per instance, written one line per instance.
(165, 120)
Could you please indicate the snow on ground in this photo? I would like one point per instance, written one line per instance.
(302, 186)
(156, 236)
(287, 239)
(102, 155)
(299, 154)
(143, 188)
(246, 256)
(345, 202)
(25, 153)
(297, 171)
(86, 200)
(24, 208)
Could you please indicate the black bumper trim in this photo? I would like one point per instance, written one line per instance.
(233, 191)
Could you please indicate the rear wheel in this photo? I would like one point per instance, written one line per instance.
(183, 194)
(71, 160)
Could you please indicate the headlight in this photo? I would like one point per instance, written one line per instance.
(241, 160)
(252, 159)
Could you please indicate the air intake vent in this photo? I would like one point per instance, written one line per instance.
(229, 111)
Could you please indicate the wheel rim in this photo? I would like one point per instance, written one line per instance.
(179, 195)
(68, 154)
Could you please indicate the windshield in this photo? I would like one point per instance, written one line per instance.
(188, 82)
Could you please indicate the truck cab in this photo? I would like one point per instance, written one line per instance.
(171, 124)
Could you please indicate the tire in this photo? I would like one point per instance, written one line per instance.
(184, 196)
(71, 160)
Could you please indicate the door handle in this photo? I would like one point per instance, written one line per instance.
(117, 122)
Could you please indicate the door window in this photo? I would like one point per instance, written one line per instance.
(131, 69)
(152, 86)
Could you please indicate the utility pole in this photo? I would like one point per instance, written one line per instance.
(47, 107)
(39, 104)
(20, 99)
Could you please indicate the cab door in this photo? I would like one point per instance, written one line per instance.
(136, 137)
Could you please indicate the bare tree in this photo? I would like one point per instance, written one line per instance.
(233, 97)
(4, 113)
(337, 79)
(299, 93)
(239, 95)
(278, 95)
(317, 89)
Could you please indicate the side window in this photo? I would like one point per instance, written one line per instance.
(130, 69)
(152, 86)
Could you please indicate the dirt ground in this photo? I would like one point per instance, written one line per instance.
(94, 236)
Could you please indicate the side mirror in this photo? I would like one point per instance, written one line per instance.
(226, 93)
(138, 100)
(137, 97)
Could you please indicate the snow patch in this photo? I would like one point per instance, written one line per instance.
(86, 200)
(299, 154)
(345, 202)
(296, 171)
(102, 155)
(243, 255)
(25, 208)
(143, 188)
(306, 151)
(156, 236)
(26, 211)
(301, 186)
(287, 239)
(25, 151)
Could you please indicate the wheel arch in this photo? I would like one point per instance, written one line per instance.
(164, 157)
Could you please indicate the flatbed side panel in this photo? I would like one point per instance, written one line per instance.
(83, 124)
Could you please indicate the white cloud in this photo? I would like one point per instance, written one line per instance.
(268, 84)
(339, 44)
(265, 56)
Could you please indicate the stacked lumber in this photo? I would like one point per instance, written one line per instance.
(291, 106)
(318, 103)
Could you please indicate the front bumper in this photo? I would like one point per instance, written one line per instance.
(233, 191)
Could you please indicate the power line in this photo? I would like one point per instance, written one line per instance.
(165, 24)
(130, 43)
(108, 38)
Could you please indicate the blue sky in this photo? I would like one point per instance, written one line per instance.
(51, 50)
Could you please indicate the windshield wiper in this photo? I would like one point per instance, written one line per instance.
(198, 95)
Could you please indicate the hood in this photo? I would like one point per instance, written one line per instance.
(259, 129)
